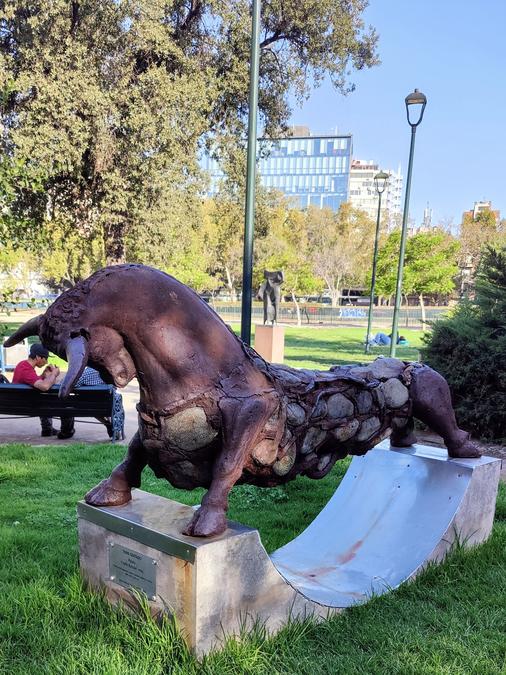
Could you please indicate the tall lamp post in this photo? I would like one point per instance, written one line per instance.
(415, 106)
(380, 183)
(249, 218)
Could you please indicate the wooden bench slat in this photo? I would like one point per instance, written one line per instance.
(52, 411)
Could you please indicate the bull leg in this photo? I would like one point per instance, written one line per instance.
(117, 489)
(432, 405)
(404, 436)
(242, 422)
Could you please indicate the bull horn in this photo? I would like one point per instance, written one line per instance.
(77, 358)
(28, 329)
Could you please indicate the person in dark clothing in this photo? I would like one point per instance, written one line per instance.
(90, 378)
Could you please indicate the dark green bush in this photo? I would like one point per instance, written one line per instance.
(469, 349)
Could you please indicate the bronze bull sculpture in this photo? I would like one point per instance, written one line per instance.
(212, 412)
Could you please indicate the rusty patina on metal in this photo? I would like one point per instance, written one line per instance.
(212, 412)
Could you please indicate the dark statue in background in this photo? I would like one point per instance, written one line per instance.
(270, 293)
(212, 412)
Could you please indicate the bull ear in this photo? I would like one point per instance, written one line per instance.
(28, 329)
(77, 358)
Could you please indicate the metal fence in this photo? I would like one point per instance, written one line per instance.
(323, 315)
(312, 314)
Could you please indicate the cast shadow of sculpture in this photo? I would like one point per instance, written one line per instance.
(212, 412)
(270, 293)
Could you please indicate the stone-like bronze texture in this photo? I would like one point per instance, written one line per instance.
(270, 293)
(212, 412)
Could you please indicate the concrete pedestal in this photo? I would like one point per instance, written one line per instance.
(270, 342)
(214, 587)
(394, 512)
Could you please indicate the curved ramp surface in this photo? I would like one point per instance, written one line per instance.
(395, 510)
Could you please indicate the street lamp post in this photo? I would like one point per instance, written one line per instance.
(249, 218)
(415, 106)
(380, 183)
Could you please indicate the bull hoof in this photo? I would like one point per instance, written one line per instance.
(403, 440)
(467, 450)
(206, 522)
(104, 494)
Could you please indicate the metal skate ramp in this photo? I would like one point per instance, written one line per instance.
(394, 511)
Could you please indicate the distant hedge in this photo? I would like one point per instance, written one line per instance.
(469, 349)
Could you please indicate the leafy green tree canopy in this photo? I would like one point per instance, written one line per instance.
(285, 247)
(468, 348)
(104, 104)
(340, 246)
(476, 233)
(430, 264)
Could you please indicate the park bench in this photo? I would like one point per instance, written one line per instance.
(21, 400)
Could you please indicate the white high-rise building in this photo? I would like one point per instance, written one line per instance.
(363, 193)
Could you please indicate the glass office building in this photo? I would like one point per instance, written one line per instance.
(309, 169)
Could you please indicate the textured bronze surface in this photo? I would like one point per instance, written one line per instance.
(212, 412)
(270, 293)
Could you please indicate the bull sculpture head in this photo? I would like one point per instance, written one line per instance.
(80, 332)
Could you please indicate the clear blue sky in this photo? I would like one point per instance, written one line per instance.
(453, 51)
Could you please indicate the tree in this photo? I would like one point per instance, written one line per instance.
(285, 248)
(18, 269)
(468, 349)
(109, 135)
(66, 257)
(224, 215)
(340, 246)
(386, 266)
(475, 233)
(430, 265)
(104, 104)
(226, 222)
(175, 239)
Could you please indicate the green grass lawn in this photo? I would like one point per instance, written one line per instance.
(452, 619)
(323, 347)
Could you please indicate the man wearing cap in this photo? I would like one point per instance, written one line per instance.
(24, 373)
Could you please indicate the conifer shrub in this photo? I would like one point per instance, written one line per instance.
(469, 349)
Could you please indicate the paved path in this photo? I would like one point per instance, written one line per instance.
(27, 429)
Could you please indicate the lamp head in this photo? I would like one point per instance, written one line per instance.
(380, 182)
(415, 105)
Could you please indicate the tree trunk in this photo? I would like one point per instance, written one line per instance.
(422, 307)
(407, 310)
(297, 309)
(334, 296)
(114, 235)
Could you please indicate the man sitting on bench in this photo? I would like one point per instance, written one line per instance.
(24, 373)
